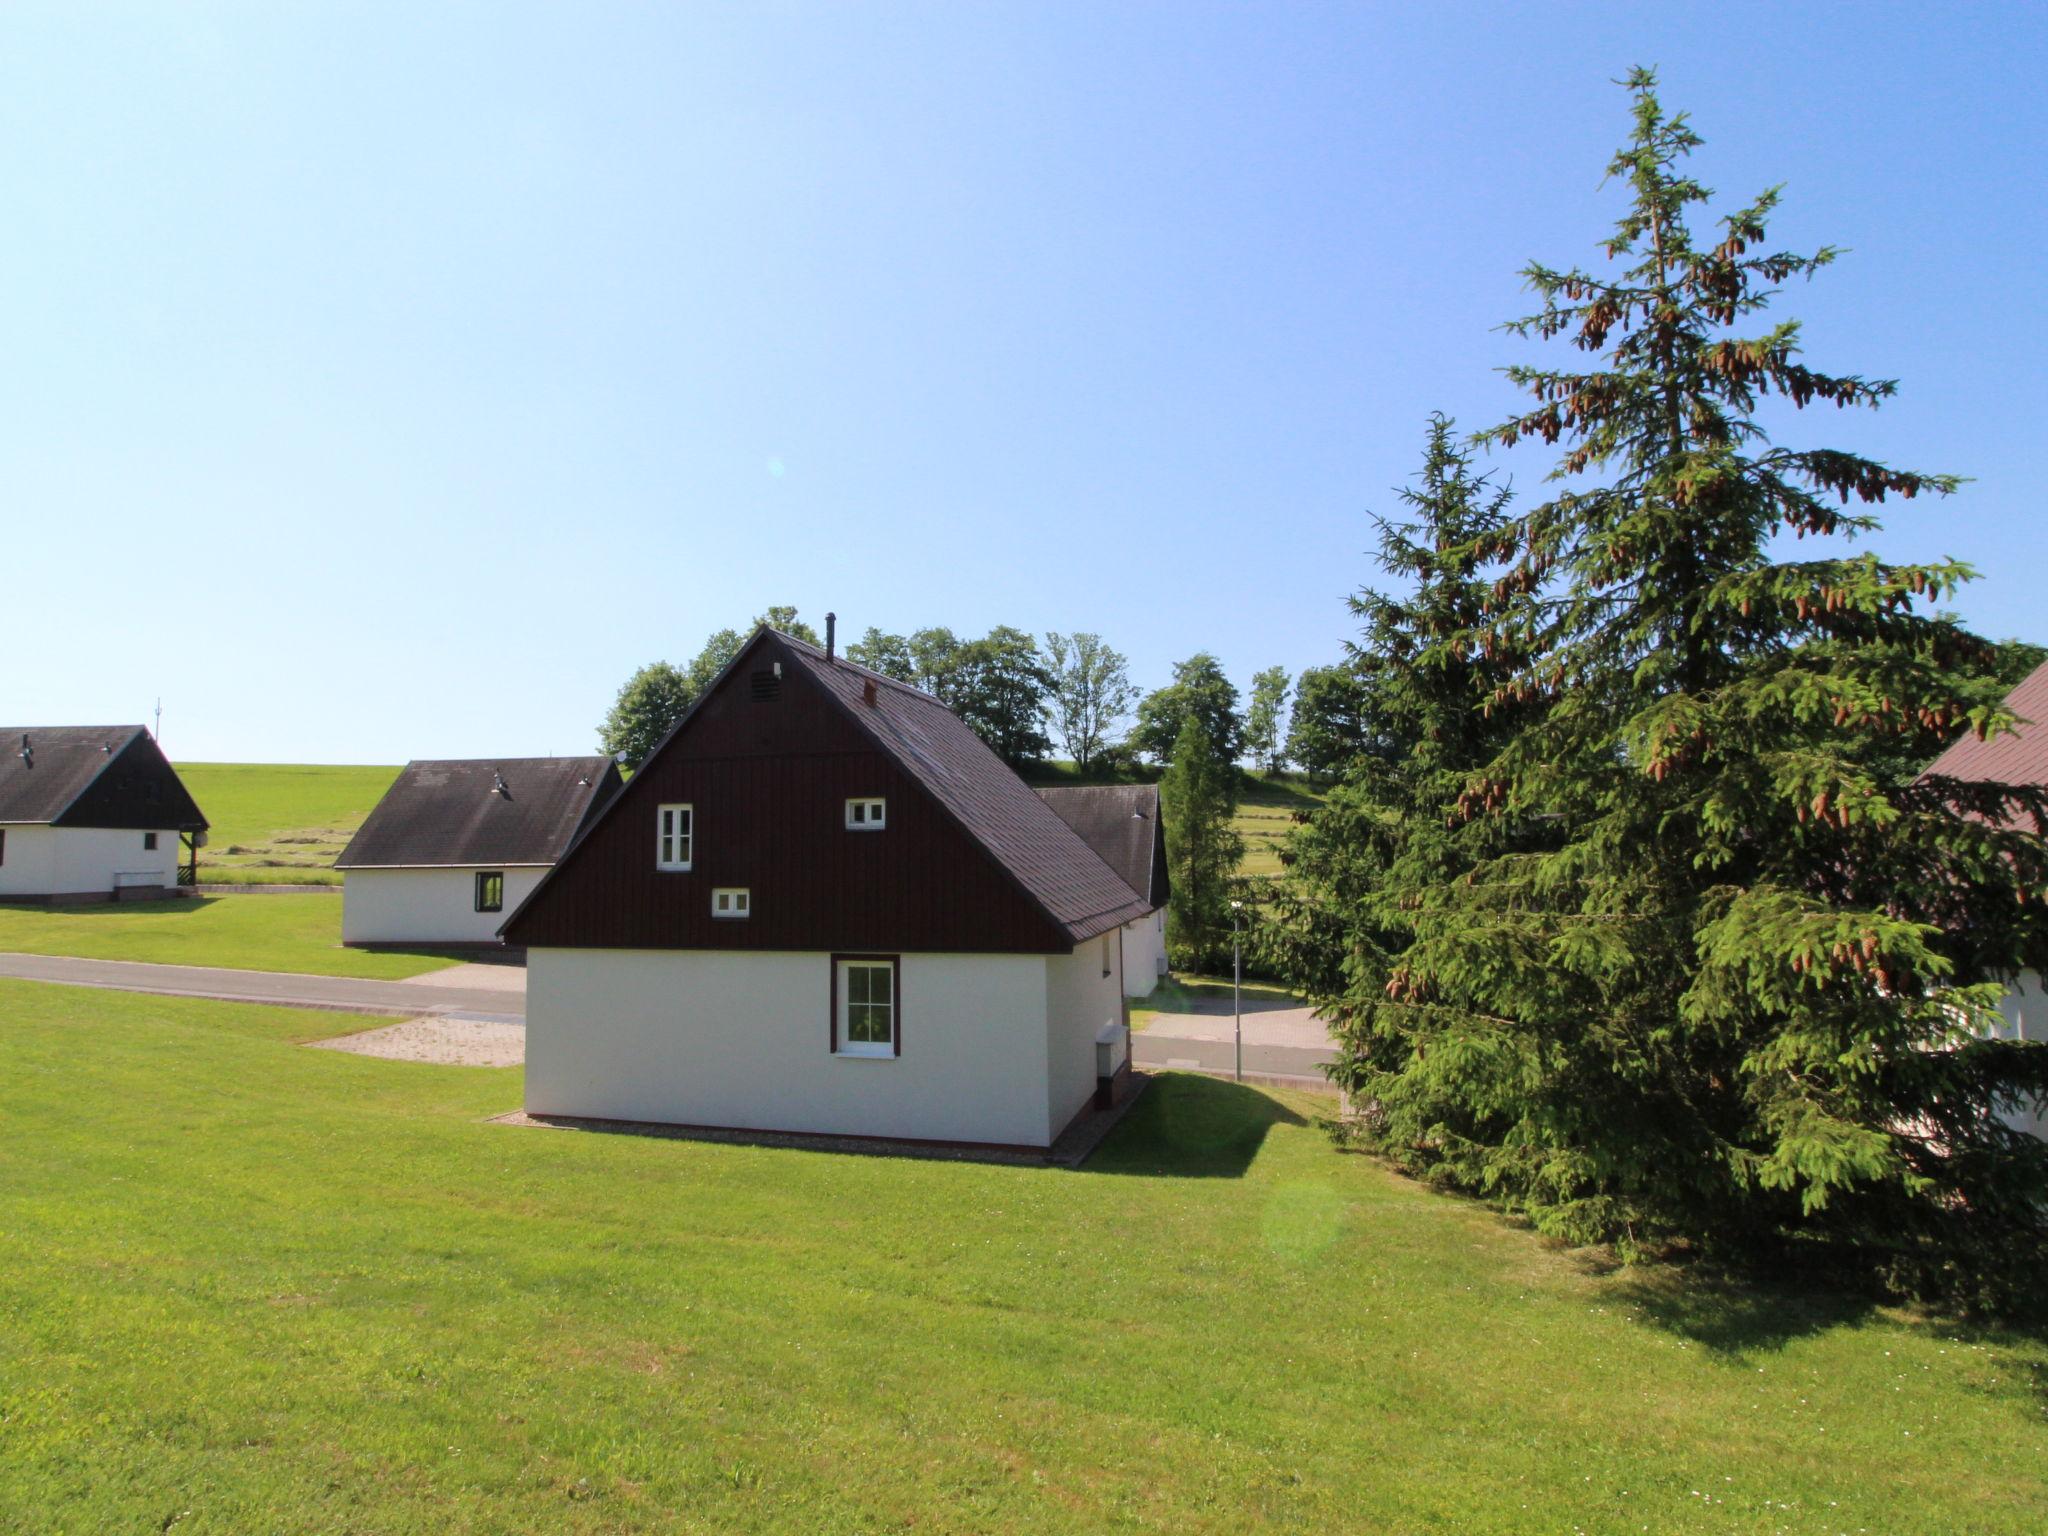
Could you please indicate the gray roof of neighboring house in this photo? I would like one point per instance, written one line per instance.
(1121, 823)
(481, 811)
(1054, 865)
(92, 776)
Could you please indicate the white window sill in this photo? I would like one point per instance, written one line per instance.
(866, 1053)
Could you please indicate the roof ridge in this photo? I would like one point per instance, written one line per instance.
(840, 659)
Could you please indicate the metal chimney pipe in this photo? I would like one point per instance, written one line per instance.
(831, 633)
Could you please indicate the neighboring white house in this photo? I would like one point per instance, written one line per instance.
(823, 906)
(2018, 757)
(455, 845)
(1121, 823)
(90, 813)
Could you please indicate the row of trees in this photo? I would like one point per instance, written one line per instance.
(1023, 698)
(1633, 909)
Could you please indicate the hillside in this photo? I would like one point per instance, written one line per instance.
(280, 823)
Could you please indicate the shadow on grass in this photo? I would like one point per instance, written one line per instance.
(182, 905)
(1734, 1316)
(1192, 1127)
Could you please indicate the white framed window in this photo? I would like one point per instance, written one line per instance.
(732, 901)
(870, 813)
(866, 1005)
(674, 836)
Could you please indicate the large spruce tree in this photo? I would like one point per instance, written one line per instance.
(1735, 993)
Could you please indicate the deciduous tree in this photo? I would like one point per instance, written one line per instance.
(1262, 736)
(651, 701)
(1198, 690)
(1091, 692)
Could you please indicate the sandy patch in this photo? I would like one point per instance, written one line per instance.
(431, 1037)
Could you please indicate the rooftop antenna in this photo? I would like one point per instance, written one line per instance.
(158, 730)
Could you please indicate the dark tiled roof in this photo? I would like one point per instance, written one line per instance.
(1058, 870)
(454, 812)
(2018, 757)
(1121, 823)
(91, 775)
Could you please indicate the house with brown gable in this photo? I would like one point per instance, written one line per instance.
(823, 905)
(91, 813)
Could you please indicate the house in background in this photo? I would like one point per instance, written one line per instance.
(454, 846)
(91, 813)
(2019, 757)
(822, 905)
(1121, 823)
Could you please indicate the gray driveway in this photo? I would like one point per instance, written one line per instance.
(494, 993)
(1281, 1040)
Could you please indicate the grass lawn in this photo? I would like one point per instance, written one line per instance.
(254, 933)
(280, 823)
(1178, 993)
(250, 1287)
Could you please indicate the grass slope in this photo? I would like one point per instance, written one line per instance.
(280, 823)
(251, 1287)
(294, 933)
(1266, 806)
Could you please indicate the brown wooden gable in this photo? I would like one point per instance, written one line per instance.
(138, 788)
(767, 765)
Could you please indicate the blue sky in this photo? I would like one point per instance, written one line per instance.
(390, 381)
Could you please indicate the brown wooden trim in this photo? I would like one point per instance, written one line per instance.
(895, 998)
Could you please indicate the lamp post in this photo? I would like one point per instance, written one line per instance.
(1237, 982)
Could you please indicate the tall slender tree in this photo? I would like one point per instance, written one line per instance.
(1738, 999)
(1091, 692)
(1262, 733)
(1197, 798)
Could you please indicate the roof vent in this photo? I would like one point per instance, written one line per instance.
(867, 692)
(767, 687)
(28, 753)
(498, 785)
(831, 634)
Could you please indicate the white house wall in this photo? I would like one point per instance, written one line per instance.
(1079, 1000)
(2025, 1012)
(84, 861)
(426, 906)
(728, 1038)
(1144, 951)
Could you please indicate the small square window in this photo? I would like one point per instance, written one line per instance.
(149, 841)
(868, 814)
(731, 901)
(674, 836)
(490, 891)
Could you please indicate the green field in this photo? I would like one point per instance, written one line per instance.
(250, 1287)
(253, 933)
(280, 823)
(1266, 807)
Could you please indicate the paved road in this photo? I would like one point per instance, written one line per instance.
(494, 1000)
(1278, 1041)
